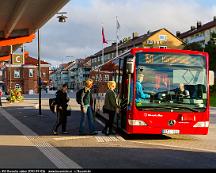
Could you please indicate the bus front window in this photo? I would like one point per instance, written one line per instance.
(170, 81)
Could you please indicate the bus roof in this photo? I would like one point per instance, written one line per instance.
(135, 50)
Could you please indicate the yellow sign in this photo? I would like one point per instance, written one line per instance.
(17, 59)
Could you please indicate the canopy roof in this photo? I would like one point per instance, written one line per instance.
(20, 19)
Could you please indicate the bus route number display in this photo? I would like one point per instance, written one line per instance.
(170, 59)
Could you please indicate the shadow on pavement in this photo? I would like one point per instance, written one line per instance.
(43, 124)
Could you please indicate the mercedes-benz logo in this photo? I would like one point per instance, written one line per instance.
(171, 122)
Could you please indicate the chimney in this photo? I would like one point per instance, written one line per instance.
(135, 35)
(193, 28)
(199, 24)
(178, 33)
(214, 19)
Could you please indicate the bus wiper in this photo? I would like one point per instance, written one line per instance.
(169, 107)
(185, 107)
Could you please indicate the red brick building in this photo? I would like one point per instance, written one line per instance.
(25, 76)
(106, 73)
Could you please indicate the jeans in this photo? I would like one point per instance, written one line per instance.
(89, 114)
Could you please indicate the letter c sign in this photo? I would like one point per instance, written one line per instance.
(18, 59)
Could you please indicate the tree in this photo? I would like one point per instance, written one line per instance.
(211, 49)
(193, 46)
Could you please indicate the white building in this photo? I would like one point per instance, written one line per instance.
(199, 33)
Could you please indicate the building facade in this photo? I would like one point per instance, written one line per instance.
(79, 72)
(25, 76)
(199, 34)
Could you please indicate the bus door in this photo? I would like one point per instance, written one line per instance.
(126, 93)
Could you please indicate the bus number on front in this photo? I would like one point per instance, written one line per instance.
(149, 59)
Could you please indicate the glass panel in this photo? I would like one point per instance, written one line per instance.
(171, 82)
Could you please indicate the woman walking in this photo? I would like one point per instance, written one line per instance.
(110, 106)
(61, 100)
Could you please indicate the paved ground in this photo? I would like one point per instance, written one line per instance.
(27, 136)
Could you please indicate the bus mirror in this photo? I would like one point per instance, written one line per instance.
(211, 78)
(130, 65)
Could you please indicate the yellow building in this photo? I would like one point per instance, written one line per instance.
(162, 38)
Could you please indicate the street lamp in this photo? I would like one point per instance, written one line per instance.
(39, 73)
(62, 18)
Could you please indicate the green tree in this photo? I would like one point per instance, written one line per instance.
(193, 46)
(211, 49)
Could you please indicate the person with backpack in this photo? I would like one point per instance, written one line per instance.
(61, 101)
(84, 98)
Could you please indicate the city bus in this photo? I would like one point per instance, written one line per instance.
(164, 112)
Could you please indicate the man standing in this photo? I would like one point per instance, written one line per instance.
(86, 108)
(61, 102)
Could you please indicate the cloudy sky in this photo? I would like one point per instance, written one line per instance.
(81, 36)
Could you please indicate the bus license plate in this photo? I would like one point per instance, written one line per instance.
(168, 131)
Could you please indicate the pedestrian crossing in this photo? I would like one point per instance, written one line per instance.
(114, 138)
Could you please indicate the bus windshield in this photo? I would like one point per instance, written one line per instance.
(169, 81)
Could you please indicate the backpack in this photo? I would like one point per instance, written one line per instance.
(79, 96)
(52, 104)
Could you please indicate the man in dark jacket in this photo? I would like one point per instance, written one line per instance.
(182, 92)
(61, 102)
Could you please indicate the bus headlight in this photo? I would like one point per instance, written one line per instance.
(202, 124)
(136, 123)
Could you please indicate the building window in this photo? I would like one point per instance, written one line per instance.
(163, 47)
(31, 72)
(96, 77)
(106, 78)
(149, 42)
(163, 37)
(16, 73)
(17, 86)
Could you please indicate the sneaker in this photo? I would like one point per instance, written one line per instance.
(94, 133)
(55, 133)
(65, 132)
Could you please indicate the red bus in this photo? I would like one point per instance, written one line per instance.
(165, 111)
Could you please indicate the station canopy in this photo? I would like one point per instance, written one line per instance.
(20, 19)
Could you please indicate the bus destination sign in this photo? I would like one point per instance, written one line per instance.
(172, 59)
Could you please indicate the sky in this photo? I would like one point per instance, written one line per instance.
(80, 36)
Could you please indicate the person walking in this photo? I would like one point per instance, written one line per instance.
(61, 108)
(110, 107)
(1, 94)
(86, 108)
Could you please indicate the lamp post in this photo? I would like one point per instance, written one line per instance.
(39, 73)
(62, 18)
